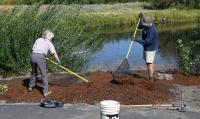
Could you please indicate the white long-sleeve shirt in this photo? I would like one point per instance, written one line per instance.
(42, 45)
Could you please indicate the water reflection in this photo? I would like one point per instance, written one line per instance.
(115, 43)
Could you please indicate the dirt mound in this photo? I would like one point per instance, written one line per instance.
(132, 91)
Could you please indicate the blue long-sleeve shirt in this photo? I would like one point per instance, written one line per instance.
(149, 38)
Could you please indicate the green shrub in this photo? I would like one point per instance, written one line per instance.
(20, 27)
(189, 56)
(188, 53)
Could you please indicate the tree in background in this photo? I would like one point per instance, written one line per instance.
(164, 4)
(68, 1)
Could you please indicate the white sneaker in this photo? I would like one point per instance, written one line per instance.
(30, 89)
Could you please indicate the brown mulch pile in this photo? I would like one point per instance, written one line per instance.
(133, 90)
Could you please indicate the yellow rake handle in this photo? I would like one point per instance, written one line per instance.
(71, 72)
(132, 40)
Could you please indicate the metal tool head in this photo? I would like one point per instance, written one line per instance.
(182, 108)
(123, 67)
(88, 83)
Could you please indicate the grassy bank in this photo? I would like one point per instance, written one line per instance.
(20, 2)
(127, 13)
(123, 13)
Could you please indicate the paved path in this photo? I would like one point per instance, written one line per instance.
(82, 111)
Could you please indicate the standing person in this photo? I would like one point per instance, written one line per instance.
(150, 43)
(39, 52)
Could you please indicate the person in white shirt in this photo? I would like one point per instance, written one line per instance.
(39, 52)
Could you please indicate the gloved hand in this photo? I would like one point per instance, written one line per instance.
(140, 15)
(58, 62)
(132, 39)
(136, 39)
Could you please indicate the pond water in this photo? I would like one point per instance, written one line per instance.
(116, 41)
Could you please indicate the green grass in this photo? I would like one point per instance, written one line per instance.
(123, 13)
(19, 2)
(127, 13)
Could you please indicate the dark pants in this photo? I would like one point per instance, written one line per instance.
(38, 60)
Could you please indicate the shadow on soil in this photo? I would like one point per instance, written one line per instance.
(117, 77)
(37, 87)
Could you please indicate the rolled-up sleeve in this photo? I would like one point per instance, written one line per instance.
(34, 46)
(52, 48)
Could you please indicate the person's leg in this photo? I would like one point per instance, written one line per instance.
(154, 70)
(149, 56)
(32, 82)
(150, 68)
(42, 66)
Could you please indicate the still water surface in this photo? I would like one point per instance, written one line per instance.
(116, 42)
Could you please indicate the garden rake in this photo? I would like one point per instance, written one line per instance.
(71, 72)
(123, 68)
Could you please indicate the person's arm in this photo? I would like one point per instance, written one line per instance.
(147, 40)
(57, 58)
(34, 46)
(53, 51)
(143, 42)
(149, 37)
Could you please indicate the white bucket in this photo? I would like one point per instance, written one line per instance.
(109, 109)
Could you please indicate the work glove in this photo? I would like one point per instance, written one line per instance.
(137, 39)
(58, 62)
(140, 16)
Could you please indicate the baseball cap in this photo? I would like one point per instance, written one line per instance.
(146, 21)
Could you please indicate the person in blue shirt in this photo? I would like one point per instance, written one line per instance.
(150, 43)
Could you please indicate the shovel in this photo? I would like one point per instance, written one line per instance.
(124, 66)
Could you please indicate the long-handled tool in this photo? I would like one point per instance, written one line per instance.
(124, 66)
(148, 105)
(179, 107)
(71, 72)
(182, 107)
(132, 40)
